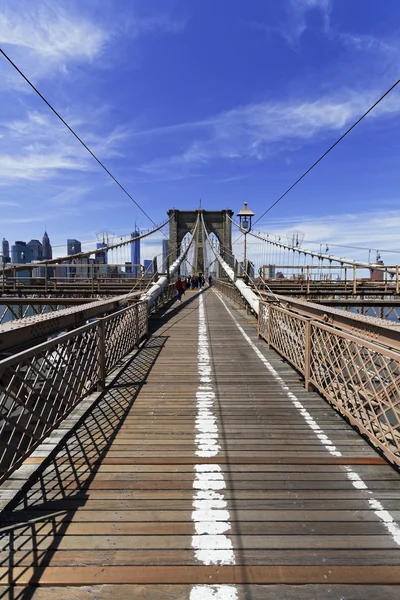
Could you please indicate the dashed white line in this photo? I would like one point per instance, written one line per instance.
(387, 520)
(210, 515)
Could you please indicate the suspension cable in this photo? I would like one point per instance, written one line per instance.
(102, 165)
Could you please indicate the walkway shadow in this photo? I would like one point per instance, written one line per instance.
(32, 526)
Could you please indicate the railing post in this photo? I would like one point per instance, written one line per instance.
(307, 357)
(146, 334)
(354, 279)
(101, 345)
(270, 312)
(137, 329)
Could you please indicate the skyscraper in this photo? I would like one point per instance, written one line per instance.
(47, 252)
(73, 247)
(135, 253)
(101, 257)
(5, 250)
(34, 251)
(165, 251)
(19, 253)
(148, 268)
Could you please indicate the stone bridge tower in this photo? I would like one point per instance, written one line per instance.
(216, 221)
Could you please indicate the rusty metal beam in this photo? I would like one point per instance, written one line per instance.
(32, 330)
(377, 330)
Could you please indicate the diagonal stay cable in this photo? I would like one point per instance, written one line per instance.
(76, 135)
(371, 108)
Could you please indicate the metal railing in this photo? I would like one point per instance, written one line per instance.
(167, 294)
(40, 386)
(360, 378)
(229, 290)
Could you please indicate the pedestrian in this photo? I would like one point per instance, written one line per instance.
(210, 280)
(180, 289)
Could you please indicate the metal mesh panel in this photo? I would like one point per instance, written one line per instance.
(39, 387)
(362, 380)
(230, 291)
(288, 335)
(120, 335)
(142, 319)
(390, 313)
(263, 320)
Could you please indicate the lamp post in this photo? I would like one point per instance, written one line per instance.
(245, 216)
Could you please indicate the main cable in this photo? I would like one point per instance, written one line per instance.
(76, 135)
(329, 150)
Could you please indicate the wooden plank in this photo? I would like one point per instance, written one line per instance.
(179, 557)
(268, 543)
(242, 592)
(79, 575)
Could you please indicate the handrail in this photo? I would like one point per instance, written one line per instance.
(360, 378)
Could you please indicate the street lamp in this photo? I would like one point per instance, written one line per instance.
(245, 216)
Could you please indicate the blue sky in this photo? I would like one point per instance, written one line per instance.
(227, 101)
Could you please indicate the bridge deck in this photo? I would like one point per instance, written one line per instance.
(206, 471)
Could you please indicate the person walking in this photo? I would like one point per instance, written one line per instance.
(210, 280)
(180, 289)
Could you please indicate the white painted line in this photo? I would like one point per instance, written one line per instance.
(214, 592)
(210, 515)
(387, 520)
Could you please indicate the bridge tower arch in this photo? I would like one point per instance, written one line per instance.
(216, 221)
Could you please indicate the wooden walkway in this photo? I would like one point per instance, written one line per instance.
(206, 472)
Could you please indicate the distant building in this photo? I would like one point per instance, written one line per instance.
(250, 269)
(73, 247)
(148, 268)
(47, 252)
(165, 252)
(269, 271)
(135, 254)
(5, 251)
(19, 253)
(101, 257)
(34, 251)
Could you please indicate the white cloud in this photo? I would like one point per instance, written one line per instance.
(45, 36)
(258, 130)
(369, 229)
(70, 196)
(39, 147)
(297, 17)
(52, 32)
(296, 22)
